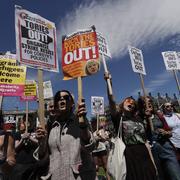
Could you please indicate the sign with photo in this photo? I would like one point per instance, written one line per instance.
(97, 105)
(80, 55)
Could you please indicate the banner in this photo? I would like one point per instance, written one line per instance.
(137, 61)
(35, 40)
(103, 45)
(12, 78)
(97, 105)
(29, 91)
(80, 56)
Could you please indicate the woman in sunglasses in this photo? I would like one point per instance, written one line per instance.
(173, 120)
(158, 134)
(138, 159)
(68, 142)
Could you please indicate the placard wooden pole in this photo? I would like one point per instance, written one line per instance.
(106, 71)
(41, 98)
(81, 118)
(177, 81)
(145, 98)
(97, 119)
(1, 102)
(27, 110)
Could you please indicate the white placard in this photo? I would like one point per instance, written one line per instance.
(48, 92)
(9, 119)
(178, 56)
(137, 61)
(8, 55)
(36, 43)
(97, 105)
(103, 45)
(171, 60)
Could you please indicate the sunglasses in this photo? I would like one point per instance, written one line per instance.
(65, 97)
(167, 106)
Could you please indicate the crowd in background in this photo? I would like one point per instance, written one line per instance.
(73, 147)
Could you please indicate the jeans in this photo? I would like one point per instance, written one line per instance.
(164, 153)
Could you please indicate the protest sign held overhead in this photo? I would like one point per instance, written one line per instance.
(97, 105)
(137, 61)
(103, 45)
(171, 60)
(12, 78)
(29, 91)
(35, 40)
(80, 56)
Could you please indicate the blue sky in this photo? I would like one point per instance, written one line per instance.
(152, 26)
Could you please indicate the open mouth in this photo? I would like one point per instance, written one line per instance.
(130, 107)
(62, 104)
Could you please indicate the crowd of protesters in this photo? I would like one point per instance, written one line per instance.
(70, 147)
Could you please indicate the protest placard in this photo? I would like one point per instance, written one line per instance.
(80, 56)
(29, 91)
(12, 78)
(103, 45)
(97, 105)
(137, 61)
(35, 40)
(171, 60)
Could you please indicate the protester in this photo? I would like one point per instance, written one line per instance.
(100, 154)
(7, 150)
(173, 121)
(68, 141)
(138, 160)
(158, 133)
(25, 145)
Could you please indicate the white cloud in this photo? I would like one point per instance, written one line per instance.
(139, 23)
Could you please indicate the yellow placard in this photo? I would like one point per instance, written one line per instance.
(30, 89)
(10, 73)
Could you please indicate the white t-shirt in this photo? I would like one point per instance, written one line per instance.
(174, 123)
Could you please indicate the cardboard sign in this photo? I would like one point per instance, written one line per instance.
(97, 105)
(137, 61)
(35, 40)
(80, 56)
(12, 78)
(103, 45)
(171, 60)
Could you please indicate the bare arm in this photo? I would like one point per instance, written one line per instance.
(112, 103)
